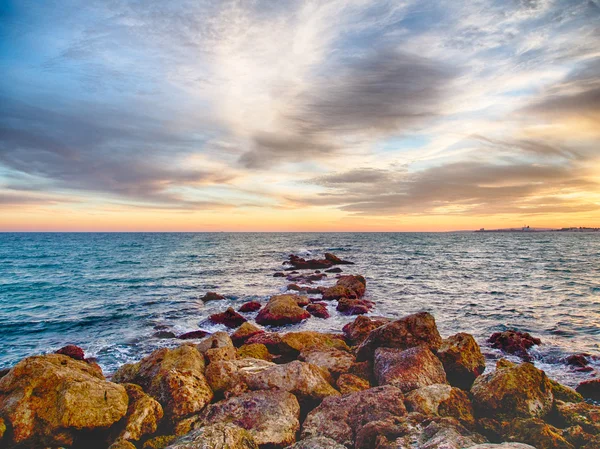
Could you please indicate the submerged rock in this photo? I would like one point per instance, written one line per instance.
(334, 270)
(512, 391)
(408, 369)
(229, 318)
(75, 352)
(46, 399)
(271, 417)
(212, 296)
(462, 359)
(318, 310)
(280, 310)
(358, 330)
(412, 330)
(193, 335)
(216, 436)
(514, 342)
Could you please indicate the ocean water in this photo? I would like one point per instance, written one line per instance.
(112, 292)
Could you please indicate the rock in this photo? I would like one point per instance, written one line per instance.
(216, 340)
(305, 341)
(229, 376)
(164, 335)
(580, 414)
(356, 284)
(217, 354)
(294, 287)
(212, 296)
(593, 443)
(512, 391)
(442, 400)
(502, 446)
(318, 310)
(359, 329)
(175, 378)
(334, 270)
(122, 444)
(279, 274)
(280, 310)
(564, 393)
(335, 361)
(2, 428)
(435, 433)
(193, 335)
(408, 369)
(282, 352)
(254, 351)
(412, 330)
(514, 342)
(75, 352)
(316, 443)
(462, 359)
(536, 432)
(363, 370)
(160, 442)
(251, 306)
(578, 360)
(342, 417)
(229, 318)
(349, 306)
(244, 332)
(217, 436)
(300, 263)
(45, 399)
(143, 414)
(337, 292)
(271, 417)
(589, 389)
(336, 260)
(349, 383)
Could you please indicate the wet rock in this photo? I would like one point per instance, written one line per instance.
(299, 263)
(193, 335)
(442, 400)
(251, 306)
(336, 260)
(349, 383)
(164, 334)
(536, 432)
(229, 318)
(216, 340)
(45, 399)
(334, 360)
(217, 436)
(230, 376)
(512, 391)
(305, 341)
(254, 351)
(578, 360)
(589, 389)
(318, 310)
(412, 330)
(578, 414)
(462, 359)
(75, 352)
(514, 342)
(408, 369)
(334, 270)
(349, 306)
(244, 332)
(337, 292)
(502, 446)
(358, 330)
(564, 393)
(143, 414)
(217, 354)
(212, 296)
(279, 274)
(316, 443)
(280, 310)
(294, 287)
(271, 417)
(341, 418)
(357, 284)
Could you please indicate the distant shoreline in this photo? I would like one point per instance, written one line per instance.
(528, 229)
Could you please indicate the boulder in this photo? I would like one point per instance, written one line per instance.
(229, 318)
(271, 417)
(363, 370)
(462, 359)
(578, 360)
(514, 342)
(580, 414)
(143, 414)
(334, 360)
(216, 436)
(46, 399)
(349, 306)
(410, 331)
(502, 446)
(122, 444)
(336, 260)
(512, 391)
(356, 284)
(279, 274)
(318, 310)
(193, 335)
(251, 306)
(564, 393)
(217, 354)
(536, 432)
(229, 376)
(358, 330)
(244, 332)
(281, 351)
(349, 383)
(216, 340)
(159, 442)
(280, 310)
(337, 292)
(334, 270)
(305, 341)
(342, 417)
(164, 335)
(408, 369)
(212, 296)
(75, 352)
(589, 389)
(316, 443)
(442, 400)
(299, 263)
(254, 351)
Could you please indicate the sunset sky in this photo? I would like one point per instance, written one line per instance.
(299, 115)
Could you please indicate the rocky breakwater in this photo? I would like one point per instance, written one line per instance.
(378, 384)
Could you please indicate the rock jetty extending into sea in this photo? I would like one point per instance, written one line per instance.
(378, 384)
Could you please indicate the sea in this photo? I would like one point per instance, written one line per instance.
(122, 295)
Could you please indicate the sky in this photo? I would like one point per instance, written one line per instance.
(340, 115)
